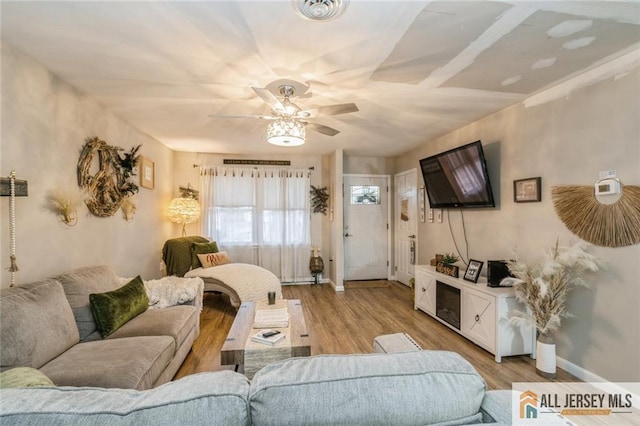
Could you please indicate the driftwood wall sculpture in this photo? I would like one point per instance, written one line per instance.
(110, 185)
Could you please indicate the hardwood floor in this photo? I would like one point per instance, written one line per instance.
(347, 322)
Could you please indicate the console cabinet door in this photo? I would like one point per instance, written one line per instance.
(425, 292)
(479, 318)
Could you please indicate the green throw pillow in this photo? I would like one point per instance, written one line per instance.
(23, 377)
(201, 248)
(113, 309)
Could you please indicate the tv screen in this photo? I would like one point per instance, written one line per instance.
(458, 178)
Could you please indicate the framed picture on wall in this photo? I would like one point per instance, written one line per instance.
(421, 202)
(147, 173)
(527, 190)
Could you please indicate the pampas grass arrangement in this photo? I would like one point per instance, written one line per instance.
(64, 204)
(607, 225)
(544, 287)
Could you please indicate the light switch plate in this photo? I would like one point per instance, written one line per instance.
(439, 215)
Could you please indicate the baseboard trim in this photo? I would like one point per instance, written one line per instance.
(588, 376)
(336, 287)
(322, 281)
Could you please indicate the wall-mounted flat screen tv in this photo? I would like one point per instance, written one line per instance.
(458, 178)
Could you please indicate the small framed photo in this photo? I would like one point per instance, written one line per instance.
(527, 190)
(147, 173)
(473, 270)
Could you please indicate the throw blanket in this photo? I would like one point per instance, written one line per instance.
(172, 291)
(176, 254)
(251, 282)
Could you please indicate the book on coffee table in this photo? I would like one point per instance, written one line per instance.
(270, 340)
(271, 318)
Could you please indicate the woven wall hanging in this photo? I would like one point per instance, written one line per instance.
(606, 225)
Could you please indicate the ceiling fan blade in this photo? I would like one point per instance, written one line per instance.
(330, 110)
(269, 98)
(259, 117)
(321, 128)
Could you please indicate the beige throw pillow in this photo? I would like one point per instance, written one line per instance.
(23, 377)
(214, 259)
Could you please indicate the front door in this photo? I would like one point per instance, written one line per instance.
(406, 225)
(366, 227)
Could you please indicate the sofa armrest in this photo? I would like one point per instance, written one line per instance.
(496, 407)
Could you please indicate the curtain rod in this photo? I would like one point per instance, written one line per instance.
(199, 165)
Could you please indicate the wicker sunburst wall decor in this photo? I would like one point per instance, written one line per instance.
(606, 225)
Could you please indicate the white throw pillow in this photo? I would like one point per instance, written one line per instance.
(214, 259)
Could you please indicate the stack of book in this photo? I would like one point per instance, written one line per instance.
(270, 339)
(271, 318)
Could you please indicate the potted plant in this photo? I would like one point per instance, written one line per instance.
(450, 258)
(544, 288)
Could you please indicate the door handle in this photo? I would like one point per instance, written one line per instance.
(348, 235)
(412, 236)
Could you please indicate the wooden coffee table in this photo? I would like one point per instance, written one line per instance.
(233, 350)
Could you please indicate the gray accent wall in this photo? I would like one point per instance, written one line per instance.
(44, 125)
(566, 141)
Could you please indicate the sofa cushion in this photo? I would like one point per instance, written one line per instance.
(201, 248)
(23, 377)
(36, 324)
(129, 363)
(112, 309)
(78, 284)
(200, 399)
(432, 386)
(175, 321)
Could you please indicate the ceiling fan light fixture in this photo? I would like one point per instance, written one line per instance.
(320, 10)
(286, 132)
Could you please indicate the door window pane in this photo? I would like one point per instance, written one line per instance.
(365, 194)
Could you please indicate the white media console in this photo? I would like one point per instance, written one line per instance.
(484, 312)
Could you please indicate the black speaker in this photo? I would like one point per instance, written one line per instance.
(497, 270)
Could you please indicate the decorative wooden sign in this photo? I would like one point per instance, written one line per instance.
(21, 187)
(451, 270)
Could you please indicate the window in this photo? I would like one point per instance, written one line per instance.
(365, 194)
(260, 216)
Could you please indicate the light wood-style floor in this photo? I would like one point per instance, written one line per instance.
(347, 322)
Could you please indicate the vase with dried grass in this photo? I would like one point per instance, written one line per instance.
(544, 288)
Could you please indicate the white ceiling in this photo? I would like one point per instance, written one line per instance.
(415, 69)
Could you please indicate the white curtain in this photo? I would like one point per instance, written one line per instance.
(260, 216)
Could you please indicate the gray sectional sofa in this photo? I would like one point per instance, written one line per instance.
(120, 380)
(410, 388)
(49, 326)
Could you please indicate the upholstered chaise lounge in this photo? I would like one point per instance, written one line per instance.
(242, 282)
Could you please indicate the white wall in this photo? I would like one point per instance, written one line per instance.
(368, 165)
(565, 141)
(44, 125)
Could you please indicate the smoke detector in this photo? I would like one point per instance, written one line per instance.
(320, 10)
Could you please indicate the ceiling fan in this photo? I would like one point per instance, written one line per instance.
(291, 114)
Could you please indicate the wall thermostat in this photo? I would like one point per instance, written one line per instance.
(607, 187)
